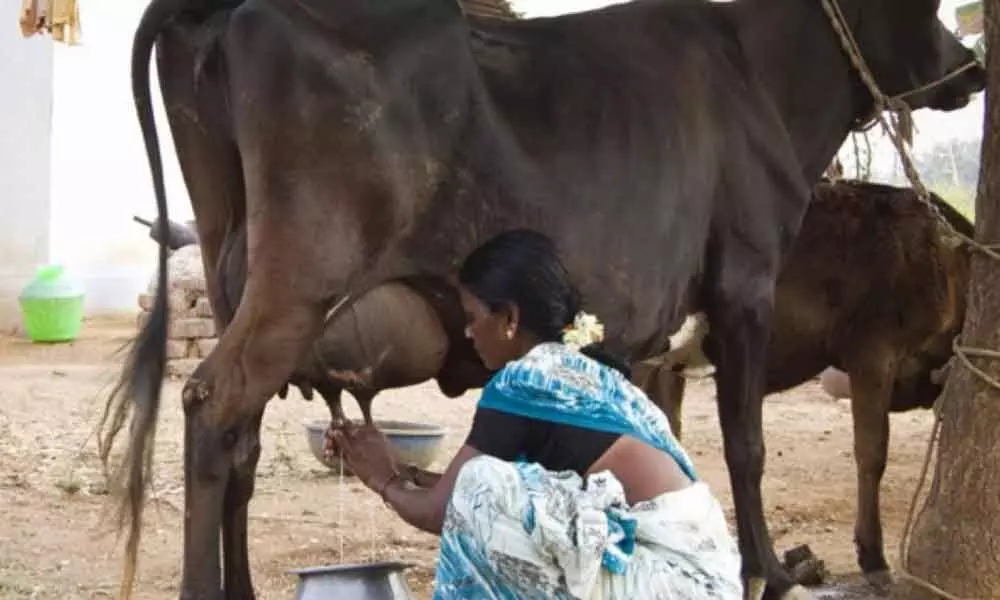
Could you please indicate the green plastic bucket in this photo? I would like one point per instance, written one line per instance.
(52, 305)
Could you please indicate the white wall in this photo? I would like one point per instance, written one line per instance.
(25, 114)
(100, 176)
(72, 166)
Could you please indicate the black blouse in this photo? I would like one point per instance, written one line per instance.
(555, 446)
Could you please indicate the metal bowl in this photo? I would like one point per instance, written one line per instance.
(414, 443)
(372, 581)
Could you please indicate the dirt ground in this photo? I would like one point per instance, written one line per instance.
(56, 542)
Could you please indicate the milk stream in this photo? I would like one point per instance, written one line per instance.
(340, 508)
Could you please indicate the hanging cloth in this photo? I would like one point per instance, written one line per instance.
(58, 18)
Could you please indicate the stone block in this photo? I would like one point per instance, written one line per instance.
(182, 302)
(146, 301)
(202, 307)
(178, 349)
(185, 270)
(182, 368)
(192, 329)
(204, 346)
(190, 283)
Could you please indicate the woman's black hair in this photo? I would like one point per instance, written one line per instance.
(521, 267)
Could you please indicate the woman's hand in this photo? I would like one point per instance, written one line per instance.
(330, 448)
(366, 451)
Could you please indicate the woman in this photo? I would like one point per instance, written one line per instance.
(570, 484)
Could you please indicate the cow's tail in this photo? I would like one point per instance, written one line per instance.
(138, 389)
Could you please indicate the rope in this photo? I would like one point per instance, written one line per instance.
(898, 105)
(939, 81)
(963, 353)
(864, 174)
(899, 131)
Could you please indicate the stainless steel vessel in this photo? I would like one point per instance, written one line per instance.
(370, 581)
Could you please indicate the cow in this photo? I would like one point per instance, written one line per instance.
(399, 334)
(872, 285)
(667, 146)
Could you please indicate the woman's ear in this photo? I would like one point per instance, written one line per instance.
(512, 317)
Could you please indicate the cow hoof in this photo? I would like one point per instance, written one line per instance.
(804, 567)
(811, 571)
(755, 588)
(797, 592)
(880, 580)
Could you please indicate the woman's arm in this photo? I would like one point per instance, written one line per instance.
(367, 451)
(498, 434)
(425, 508)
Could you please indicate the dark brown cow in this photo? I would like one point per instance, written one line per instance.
(871, 286)
(667, 146)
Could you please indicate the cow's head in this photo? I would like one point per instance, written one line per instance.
(908, 49)
(919, 381)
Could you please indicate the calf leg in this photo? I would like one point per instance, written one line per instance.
(666, 389)
(871, 391)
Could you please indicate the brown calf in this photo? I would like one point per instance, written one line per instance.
(872, 287)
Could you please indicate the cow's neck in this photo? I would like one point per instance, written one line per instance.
(796, 53)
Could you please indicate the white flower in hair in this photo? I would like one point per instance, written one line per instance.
(584, 330)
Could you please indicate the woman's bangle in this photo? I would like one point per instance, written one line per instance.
(385, 486)
(412, 474)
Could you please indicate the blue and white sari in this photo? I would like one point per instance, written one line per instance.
(517, 531)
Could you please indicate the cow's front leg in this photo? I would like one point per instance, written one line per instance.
(741, 326)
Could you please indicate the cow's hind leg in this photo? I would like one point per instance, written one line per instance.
(223, 401)
(741, 323)
(235, 515)
(872, 376)
(280, 314)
